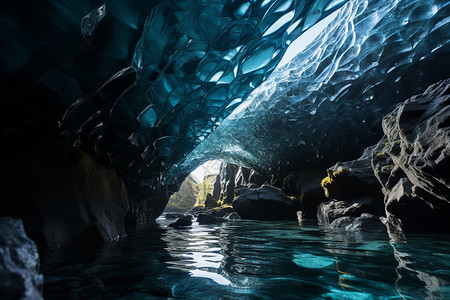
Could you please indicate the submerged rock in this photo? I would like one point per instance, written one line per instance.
(265, 203)
(19, 263)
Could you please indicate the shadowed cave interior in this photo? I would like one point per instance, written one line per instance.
(332, 112)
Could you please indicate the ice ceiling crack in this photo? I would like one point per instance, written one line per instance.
(198, 62)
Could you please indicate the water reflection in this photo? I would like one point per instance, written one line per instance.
(410, 273)
(254, 260)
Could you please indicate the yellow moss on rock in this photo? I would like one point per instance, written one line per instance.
(332, 176)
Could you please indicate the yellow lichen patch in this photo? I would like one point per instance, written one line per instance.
(332, 176)
(221, 205)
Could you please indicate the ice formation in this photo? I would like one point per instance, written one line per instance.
(201, 64)
(326, 104)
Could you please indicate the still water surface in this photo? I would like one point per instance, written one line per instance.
(252, 260)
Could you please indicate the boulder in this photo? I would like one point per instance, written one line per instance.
(365, 223)
(265, 203)
(329, 211)
(206, 219)
(184, 221)
(353, 188)
(19, 263)
(353, 179)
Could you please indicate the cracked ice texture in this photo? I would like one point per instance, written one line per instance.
(327, 103)
(194, 63)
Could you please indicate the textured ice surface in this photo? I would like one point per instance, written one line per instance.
(195, 62)
(326, 104)
(201, 64)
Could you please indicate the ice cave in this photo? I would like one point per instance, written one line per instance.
(225, 149)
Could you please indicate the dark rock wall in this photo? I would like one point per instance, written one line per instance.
(412, 161)
(62, 195)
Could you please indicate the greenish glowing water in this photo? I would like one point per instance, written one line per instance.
(252, 260)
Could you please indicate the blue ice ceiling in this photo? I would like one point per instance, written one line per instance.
(326, 104)
(195, 62)
(155, 88)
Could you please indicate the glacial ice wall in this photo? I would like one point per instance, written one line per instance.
(194, 63)
(326, 104)
(144, 85)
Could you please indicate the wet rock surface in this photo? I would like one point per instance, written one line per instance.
(364, 223)
(329, 211)
(183, 221)
(19, 263)
(264, 203)
(205, 219)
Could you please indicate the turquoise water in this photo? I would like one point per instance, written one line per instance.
(252, 260)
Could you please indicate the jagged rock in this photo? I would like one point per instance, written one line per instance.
(329, 211)
(19, 263)
(184, 221)
(265, 203)
(233, 216)
(210, 202)
(365, 223)
(354, 189)
(242, 176)
(228, 177)
(221, 212)
(231, 179)
(413, 161)
(206, 219)
(216, 189)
